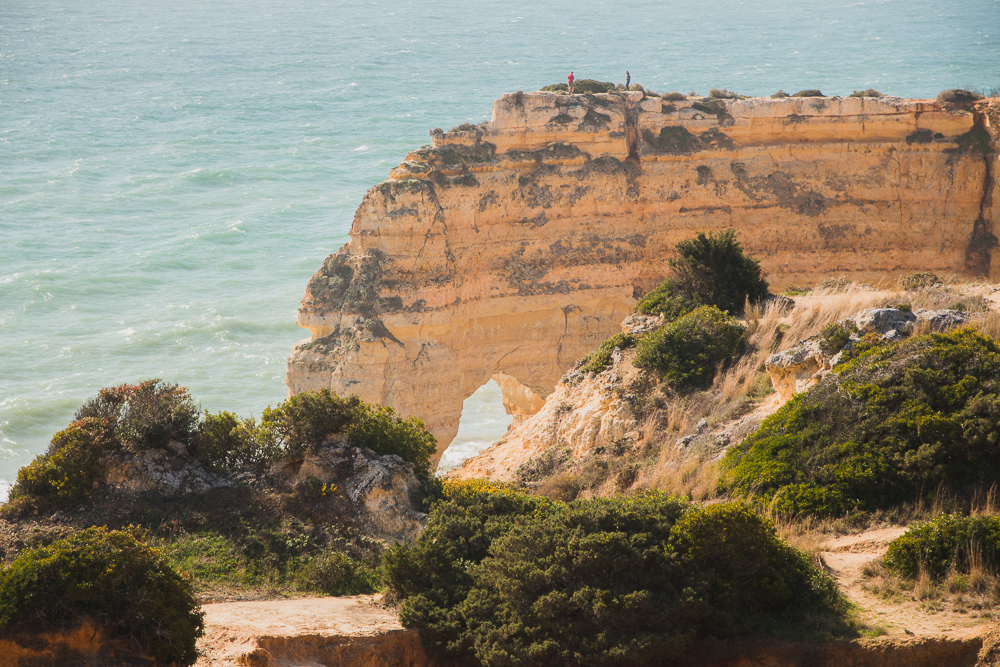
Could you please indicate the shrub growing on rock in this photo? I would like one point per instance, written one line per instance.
(111, 577)
(891, 425)
(959, 96)
(688, 350)
(226, 442)
(708, 270)
(673, 96)
(145, 415)
(305, 420)
(600, 359)
(916, 281)
(810, 92)
(949, 542)
(503, 578)
(869, 92)
(583, 86)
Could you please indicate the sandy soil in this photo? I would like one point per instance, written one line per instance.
(845, 557)
(232, 627)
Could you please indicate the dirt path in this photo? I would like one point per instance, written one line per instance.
(845, 558)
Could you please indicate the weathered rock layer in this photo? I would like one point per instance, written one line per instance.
(508, 250)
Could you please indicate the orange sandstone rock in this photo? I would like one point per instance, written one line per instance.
(512, 249)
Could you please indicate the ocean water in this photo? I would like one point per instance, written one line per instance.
(172, 174)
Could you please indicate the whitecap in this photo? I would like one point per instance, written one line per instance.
(362, 147)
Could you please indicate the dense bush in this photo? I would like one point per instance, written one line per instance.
(688, 350)
(811, 92)
(893, 424)
(673, 96)
(835, 336)
(145, 415)
(723, 94)
(708, 270)
(959, 96)
(111, 577)
(228, 443)
(869, 92)
(68, 471)
(948, 542)
(715, 270)
(583, 86)
(510, 579)
(600, 359)
(304, 420)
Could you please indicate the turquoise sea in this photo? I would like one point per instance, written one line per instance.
(171, 175)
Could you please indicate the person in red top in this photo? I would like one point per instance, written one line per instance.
(570, 79)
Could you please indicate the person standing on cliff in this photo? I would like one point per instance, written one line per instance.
(569, 80)
(628, 79)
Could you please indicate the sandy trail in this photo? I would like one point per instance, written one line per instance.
(846, 556)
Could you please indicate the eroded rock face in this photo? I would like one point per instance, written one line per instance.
(378, 487)
(513, 249)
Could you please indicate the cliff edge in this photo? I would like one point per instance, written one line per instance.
(510, 249)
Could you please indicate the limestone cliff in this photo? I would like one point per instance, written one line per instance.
(510, 249)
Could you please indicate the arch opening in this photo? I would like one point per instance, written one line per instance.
(484, 420)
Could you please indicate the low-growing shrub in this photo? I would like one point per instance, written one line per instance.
(949, 542)
(809, 92)
(145, 415)
(583, 86)
(600, 359)
(68, 471)
(673, 96)
(666, 300)
(688, 351)
(305, 420)
(890, 426)
(228, 443)
(111, 577)
(500, 578)
(917, 281)
(723, 94)
(834, 336)
(832, 285)
(959, 96)
(870, 92)
(780, 95)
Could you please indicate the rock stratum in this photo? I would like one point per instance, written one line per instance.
(510, 249)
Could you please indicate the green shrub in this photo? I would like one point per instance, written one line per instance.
(780, 95)
(667, 300)
(145, 415)
(228, 443)
(68, 471)
(950, 542)
(111, 577)
(502, 578)
(959, 96)
(688, 350)
(916, 281)
(673, 97)
(835, 336)
(723, 94)
(600, 359)
(708, 270)
(715, 270)
(870, 92)
(305, 420)
(583, 86)
(810, 92)
(893, 424)
(834, 285)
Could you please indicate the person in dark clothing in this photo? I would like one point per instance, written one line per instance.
(570, 80)
(628, 79)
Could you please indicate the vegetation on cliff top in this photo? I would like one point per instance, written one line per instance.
(152, 414)
(506, 578)
(892, 425)
(112, 577)
(252, 530)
